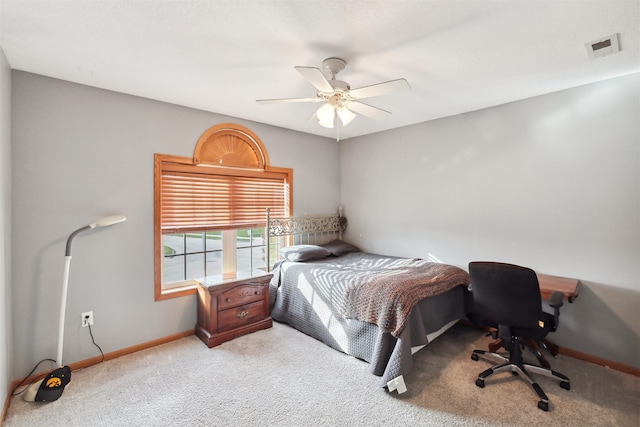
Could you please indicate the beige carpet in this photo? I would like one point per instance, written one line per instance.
(282, 377)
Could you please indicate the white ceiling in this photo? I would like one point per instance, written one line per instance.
(222, 55)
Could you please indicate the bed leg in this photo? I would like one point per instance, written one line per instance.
(397, 384)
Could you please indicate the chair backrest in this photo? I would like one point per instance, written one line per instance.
(506, 293)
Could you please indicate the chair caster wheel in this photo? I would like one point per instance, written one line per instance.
(480, 383)
(474, 357)
(543, 405)
(565, 385)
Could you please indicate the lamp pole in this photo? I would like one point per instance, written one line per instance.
(110, 220)
(50, 388)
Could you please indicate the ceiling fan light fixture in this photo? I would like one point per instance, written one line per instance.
(328, 125)
(326, 115)
(345, 115)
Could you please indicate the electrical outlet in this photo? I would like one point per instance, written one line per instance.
(87, 318)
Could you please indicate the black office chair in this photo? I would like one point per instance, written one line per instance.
(508, 296)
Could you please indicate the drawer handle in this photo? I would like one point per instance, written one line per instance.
(243, 314)
(228, 300)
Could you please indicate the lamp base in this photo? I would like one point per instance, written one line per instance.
(50, 388)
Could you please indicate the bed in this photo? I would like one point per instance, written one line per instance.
(377, 308)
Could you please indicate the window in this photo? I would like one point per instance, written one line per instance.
(210, 210)
(209, 255)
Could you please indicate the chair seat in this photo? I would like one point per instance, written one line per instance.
(537, 333)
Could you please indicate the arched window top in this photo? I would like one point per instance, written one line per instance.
(230, 145)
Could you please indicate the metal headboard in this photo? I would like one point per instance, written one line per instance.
(282, 232)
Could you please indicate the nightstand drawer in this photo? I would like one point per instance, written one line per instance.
(240, 295)
(240, 316)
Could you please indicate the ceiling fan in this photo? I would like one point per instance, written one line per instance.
(339, 101)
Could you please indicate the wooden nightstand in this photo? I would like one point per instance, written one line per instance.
(233, 308)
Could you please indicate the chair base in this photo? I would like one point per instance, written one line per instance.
(534, 346)
(522, 370)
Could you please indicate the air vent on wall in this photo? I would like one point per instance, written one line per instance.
(602, 47)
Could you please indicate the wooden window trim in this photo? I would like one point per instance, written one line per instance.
(254, 167)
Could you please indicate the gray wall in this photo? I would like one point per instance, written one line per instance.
(551, 182)
(80, 153)
(5, 226)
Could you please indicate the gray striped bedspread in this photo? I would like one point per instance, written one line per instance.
(313, 297)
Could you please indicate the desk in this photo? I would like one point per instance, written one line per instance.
(550, 284)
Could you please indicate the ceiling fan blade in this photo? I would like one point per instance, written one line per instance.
(367, 110)
(386, 88)
(316, 78)
(287, 100)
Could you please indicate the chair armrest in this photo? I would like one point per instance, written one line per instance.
(556, 302)
(556, 299)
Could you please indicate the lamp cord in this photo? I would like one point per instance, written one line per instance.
(94, 343)
(15, 393)
(27, 377)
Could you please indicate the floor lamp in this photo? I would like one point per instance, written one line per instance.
(50, 388)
